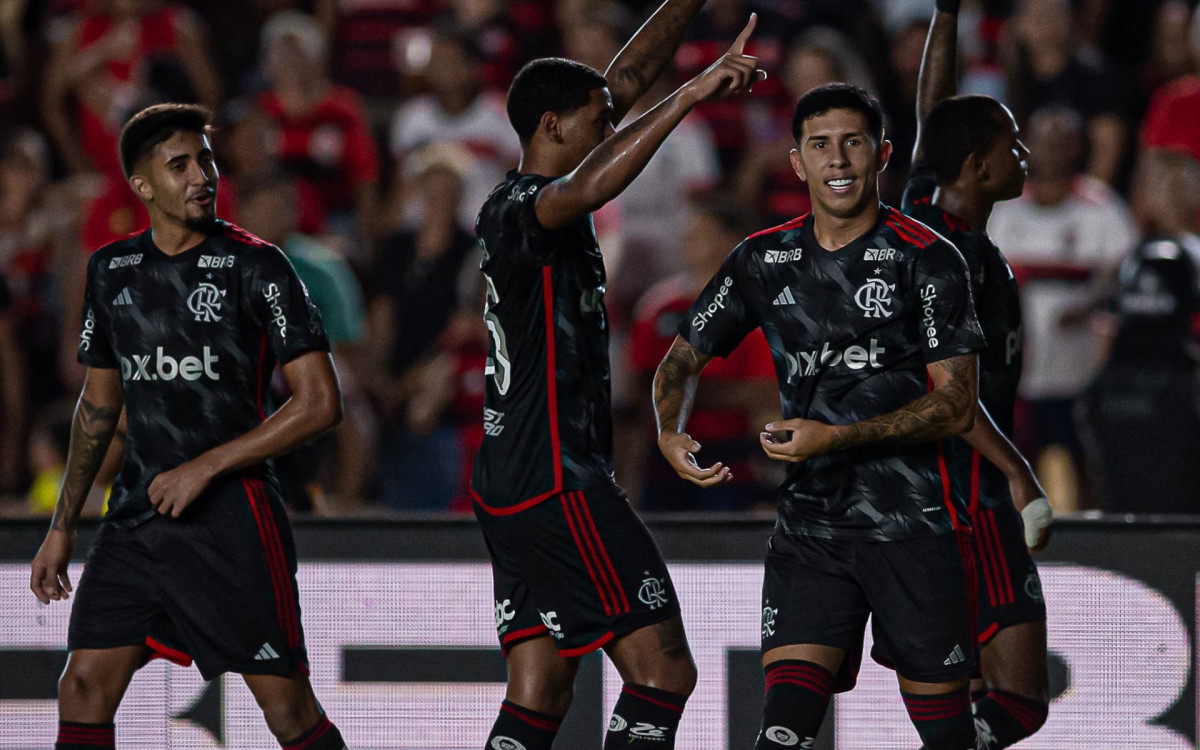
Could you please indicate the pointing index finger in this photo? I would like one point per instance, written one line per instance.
(739, 44)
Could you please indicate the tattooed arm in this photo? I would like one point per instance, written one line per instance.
(675, 384)
(949, 409)
(642, 59)
(92, 429)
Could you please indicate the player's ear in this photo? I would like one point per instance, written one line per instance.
(798, 165)
(141, 187)
(883, 155)
(551, 125)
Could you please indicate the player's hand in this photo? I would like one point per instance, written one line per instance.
(808, 439)
(48, 577)
(1038, 518)
(173, 491)
(679, 449)
(733, 73)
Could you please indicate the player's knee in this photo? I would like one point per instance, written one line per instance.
(289, 718)
(676, 676)
(551, 697)
(84, 695)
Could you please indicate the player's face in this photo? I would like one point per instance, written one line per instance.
(585, 128)
(841, 163)
(1007, 162)
(181, 180)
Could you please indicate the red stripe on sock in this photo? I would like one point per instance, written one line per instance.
(319, 730)
(678, 708)
(1025, 715)
(533, 721)
(807, 684)
(604, 552)
(587, 563)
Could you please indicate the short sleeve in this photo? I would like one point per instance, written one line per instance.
(947, 322)
(720, 317)
(94, 347)
(279, 303)
(519, 216)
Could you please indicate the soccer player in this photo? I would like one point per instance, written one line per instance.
(574, 569)
(182, 326)
(968, 157)
(870, 322)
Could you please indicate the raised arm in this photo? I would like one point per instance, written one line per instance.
(939, 65)
(615, 163)
(92, 429)
(948, 409)
(314, 407)
(675, 384)
(639, 63)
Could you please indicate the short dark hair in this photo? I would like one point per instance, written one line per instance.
(819, 100)
(155, 124)
(956, 128)
(550, 84)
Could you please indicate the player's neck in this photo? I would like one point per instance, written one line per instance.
(536, 160)
(173, 238)
(968, 206)
(835, 232)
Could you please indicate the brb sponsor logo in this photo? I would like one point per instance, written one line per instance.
(160, 366)
(717, 304)
(855, 357)
(125, 261)
(205, 302)
(928, 299)
(880, 253)
(215, 261)
(278, 319)
(782, 256)
(874, 298)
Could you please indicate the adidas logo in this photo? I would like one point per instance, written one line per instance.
(956, 657)
(123, 298)
(785, 298)
(266, 653)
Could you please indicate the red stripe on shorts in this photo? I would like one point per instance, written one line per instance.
(583, 554)
(285, 605)
(604, 552)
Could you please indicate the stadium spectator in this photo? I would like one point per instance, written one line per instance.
(1173, 120)
(727, 418)
(322, 135)
(370, 38)
(1047, 66)
(13, 403)
(412, 296)
(1065, 235)
(1140, 418)
(455, 111)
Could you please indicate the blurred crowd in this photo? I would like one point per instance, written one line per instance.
(362, 135)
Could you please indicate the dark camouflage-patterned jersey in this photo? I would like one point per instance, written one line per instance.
(196, 336)
(547, 415)
(851, 332)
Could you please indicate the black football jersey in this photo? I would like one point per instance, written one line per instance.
(851, 332)
(195, 336)
(547, 399)
(998, 305)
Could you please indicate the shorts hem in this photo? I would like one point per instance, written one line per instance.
(620, 628)
(986, 635)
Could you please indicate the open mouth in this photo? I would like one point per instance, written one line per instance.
(840, 185)
(204, 199)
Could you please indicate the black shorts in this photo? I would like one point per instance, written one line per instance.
(216, 586)
(1010, 590)
(580, 566)
(820, 591)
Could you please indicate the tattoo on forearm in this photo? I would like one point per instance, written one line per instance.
(91, 432)
(655, 44)
(928, 418)
(675, 385)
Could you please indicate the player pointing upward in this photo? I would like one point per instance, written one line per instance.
(573, 567)
(183, 324)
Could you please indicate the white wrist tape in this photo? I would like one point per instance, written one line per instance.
(1037, 516)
